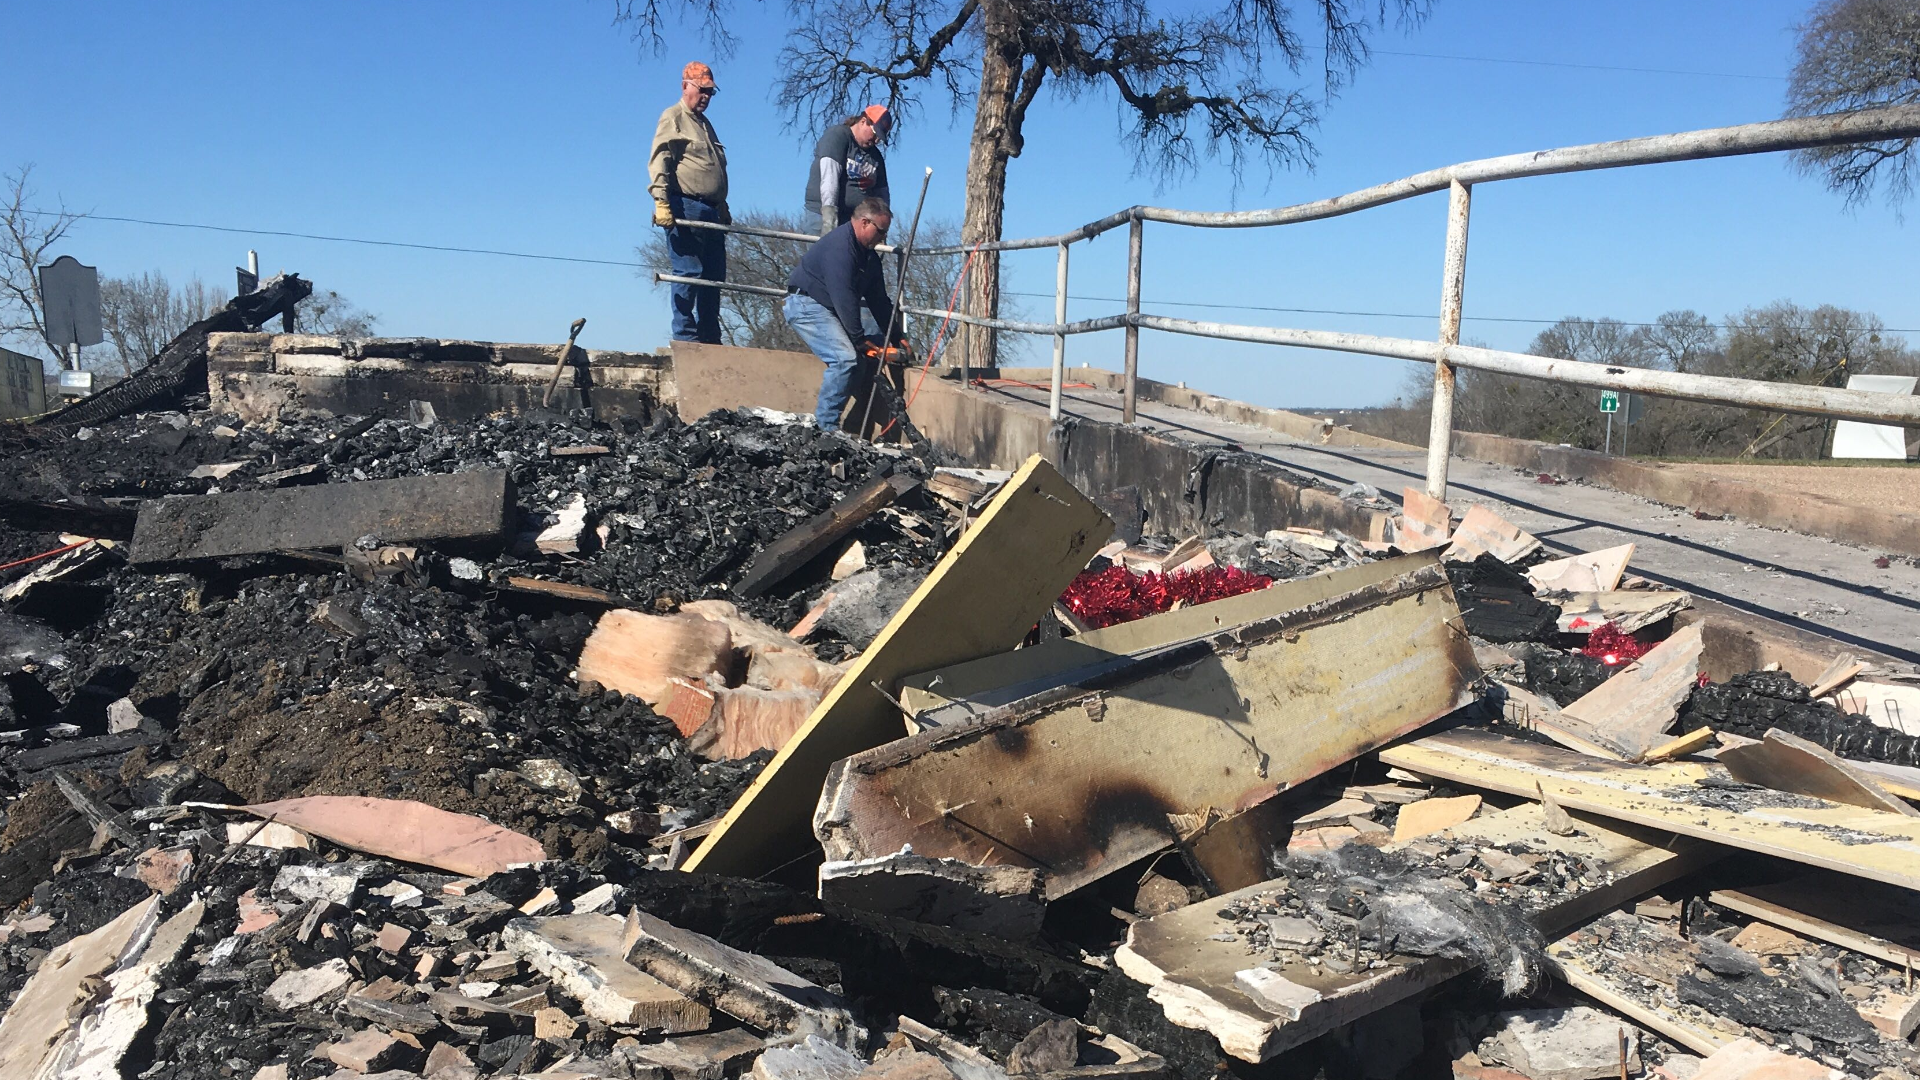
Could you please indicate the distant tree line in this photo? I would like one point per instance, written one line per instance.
(1781, 342)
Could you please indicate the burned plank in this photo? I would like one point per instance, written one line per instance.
(1785, 762)
(1191, 960)
(1869, 918)
(781, 558)
(561, 590)
(1799, 828)
(1627, 609)
(471, 507)
(1079, 784)
(1701, 992)
(741, 984)
(582, 954)
(82, 514)
(41, 1021)
(982, 598)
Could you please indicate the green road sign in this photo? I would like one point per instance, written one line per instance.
(1609, 401)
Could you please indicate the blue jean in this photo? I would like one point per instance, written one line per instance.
(700, 253)
(821, 330)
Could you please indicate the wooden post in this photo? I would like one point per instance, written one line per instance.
(1059, 337)
(1452, 289)
(1134, 236)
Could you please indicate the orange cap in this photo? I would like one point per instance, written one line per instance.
(879, 117)
(698, 74)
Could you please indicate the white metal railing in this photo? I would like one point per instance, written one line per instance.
(1447, 354)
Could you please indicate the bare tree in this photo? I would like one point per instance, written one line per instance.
(29, 235)
(1191, 80)
(756, 321)
(329, 314)
(1858, 54)
(141, 315)
(1682, 341)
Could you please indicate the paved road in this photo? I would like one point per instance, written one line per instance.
(1811, 582)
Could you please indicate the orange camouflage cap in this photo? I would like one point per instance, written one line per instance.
(879, 117)
(698, 74)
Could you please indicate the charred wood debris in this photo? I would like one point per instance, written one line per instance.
(585, 654)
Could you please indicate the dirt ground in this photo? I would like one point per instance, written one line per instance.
(1872, 485)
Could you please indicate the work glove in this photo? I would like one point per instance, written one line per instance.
(662, 214)
(829, 219)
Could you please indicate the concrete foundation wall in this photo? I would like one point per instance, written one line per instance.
(1185, 487)
(261, 376)
(1885, 528)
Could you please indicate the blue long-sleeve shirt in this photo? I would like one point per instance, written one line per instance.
(839, 275)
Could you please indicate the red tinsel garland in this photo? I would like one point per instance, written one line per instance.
(1116, 595)
(1613, 648)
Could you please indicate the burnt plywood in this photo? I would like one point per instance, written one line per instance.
(469, 507)
(1862, 843)
(1077, 784)
(1190, 971)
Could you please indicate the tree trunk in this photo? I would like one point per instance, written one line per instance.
(987, 169)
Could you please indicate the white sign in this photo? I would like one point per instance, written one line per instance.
(1853, 439)
(76, 383)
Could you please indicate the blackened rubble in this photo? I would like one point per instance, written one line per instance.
(428, 684)
(1753, 702)
(424, 673)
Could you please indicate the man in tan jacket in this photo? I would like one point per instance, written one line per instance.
(687, 174)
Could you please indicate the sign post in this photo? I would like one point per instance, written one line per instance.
(1609, 404)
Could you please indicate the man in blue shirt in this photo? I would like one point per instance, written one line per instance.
(839, 274)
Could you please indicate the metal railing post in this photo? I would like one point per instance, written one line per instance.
(1453, 286)
(1134, 237)
(1059, 339)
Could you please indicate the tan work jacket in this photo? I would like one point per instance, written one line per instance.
(687, 157)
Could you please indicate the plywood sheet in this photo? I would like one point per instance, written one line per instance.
(1483, 532)
(1786, 762)
(1862, 843)
(1079, 784)
(1590, 571)
(1632, 710)
(983, 597)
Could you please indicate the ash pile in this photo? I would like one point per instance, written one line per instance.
(409, 748)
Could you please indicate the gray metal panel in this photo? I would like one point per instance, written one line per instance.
(71, 292)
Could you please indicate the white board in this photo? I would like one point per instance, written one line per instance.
(1853, 439)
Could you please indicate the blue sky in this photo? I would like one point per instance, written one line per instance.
(524, 127)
